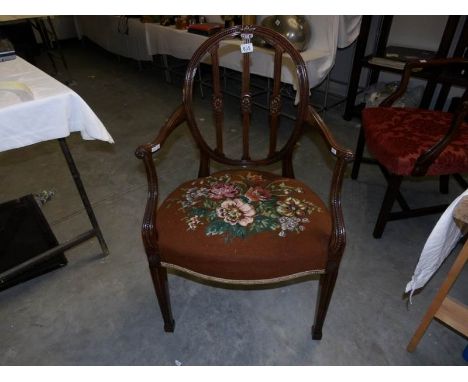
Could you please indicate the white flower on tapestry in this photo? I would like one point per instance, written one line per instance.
(193, 223)
(291, 224)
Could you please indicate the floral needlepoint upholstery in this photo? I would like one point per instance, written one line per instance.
(232, 215)
(396, 137)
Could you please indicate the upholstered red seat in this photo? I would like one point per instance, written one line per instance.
(396, 137)
(244, 225)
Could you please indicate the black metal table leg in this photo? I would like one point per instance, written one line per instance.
(95, 232)
(83, 195)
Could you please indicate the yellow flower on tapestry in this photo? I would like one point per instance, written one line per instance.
(295, 207)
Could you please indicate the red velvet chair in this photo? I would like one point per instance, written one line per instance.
(245, 226)
(415, 142)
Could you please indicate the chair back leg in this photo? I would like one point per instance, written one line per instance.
(325, 291)
(159, 276)
(358, 154)
(444, 184)
(462, 182)
(394, 182)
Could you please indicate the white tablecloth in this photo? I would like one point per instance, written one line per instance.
(113, 34)
(327, 34)
(35, 107)
(147, 39)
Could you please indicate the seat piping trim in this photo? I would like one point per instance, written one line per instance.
(243, 282)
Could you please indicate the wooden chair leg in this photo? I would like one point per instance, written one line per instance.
(288, 169)
(159, 276)
(326, 286)
(462, 182)
(394, 182)
(444, 184)
(359, 152)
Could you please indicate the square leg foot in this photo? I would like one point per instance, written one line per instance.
(316, 334)
(169, 327)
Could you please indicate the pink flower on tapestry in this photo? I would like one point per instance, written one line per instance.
(236, 212)
(256, 194)
(223, 190)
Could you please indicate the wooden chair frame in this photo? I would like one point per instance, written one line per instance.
(306, 115)
(424, 161)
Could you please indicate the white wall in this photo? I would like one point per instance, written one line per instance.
(64, 27)
(423, 32)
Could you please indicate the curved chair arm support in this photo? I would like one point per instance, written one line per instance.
(145, 152)
(314, 120)
(338, 238)
(419, 64)
(429, 156)
(177, 118)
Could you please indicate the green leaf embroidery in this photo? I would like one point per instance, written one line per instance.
(217, 227)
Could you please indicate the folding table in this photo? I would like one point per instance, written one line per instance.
(35, 107)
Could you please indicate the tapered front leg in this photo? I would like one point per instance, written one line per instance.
(326, 286)
(159, 276)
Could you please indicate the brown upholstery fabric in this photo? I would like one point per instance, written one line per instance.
(244, 225)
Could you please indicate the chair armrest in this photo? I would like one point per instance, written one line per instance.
(429, 156)
(313, 119)
(145, 152)
(177, 118)
(344, 156)
(419, 64)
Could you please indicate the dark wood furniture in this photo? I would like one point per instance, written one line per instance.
(245, 226)
(415, 141)
(361, 61)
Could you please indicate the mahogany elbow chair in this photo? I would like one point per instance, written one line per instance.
(416, 142)
(245, 226)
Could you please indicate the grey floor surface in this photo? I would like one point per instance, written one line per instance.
(103, 311)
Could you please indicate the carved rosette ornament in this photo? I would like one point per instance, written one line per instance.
(275, 104)
(246, 103)
(217, 103)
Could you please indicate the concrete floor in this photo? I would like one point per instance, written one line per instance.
(103, 311)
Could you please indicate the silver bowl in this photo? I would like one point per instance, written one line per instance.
(295, 28)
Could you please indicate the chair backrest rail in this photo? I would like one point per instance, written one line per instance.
(275, 102)
(217, 100)
(246, 106)
(282, 47)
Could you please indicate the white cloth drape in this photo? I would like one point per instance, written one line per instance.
(439, 244)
